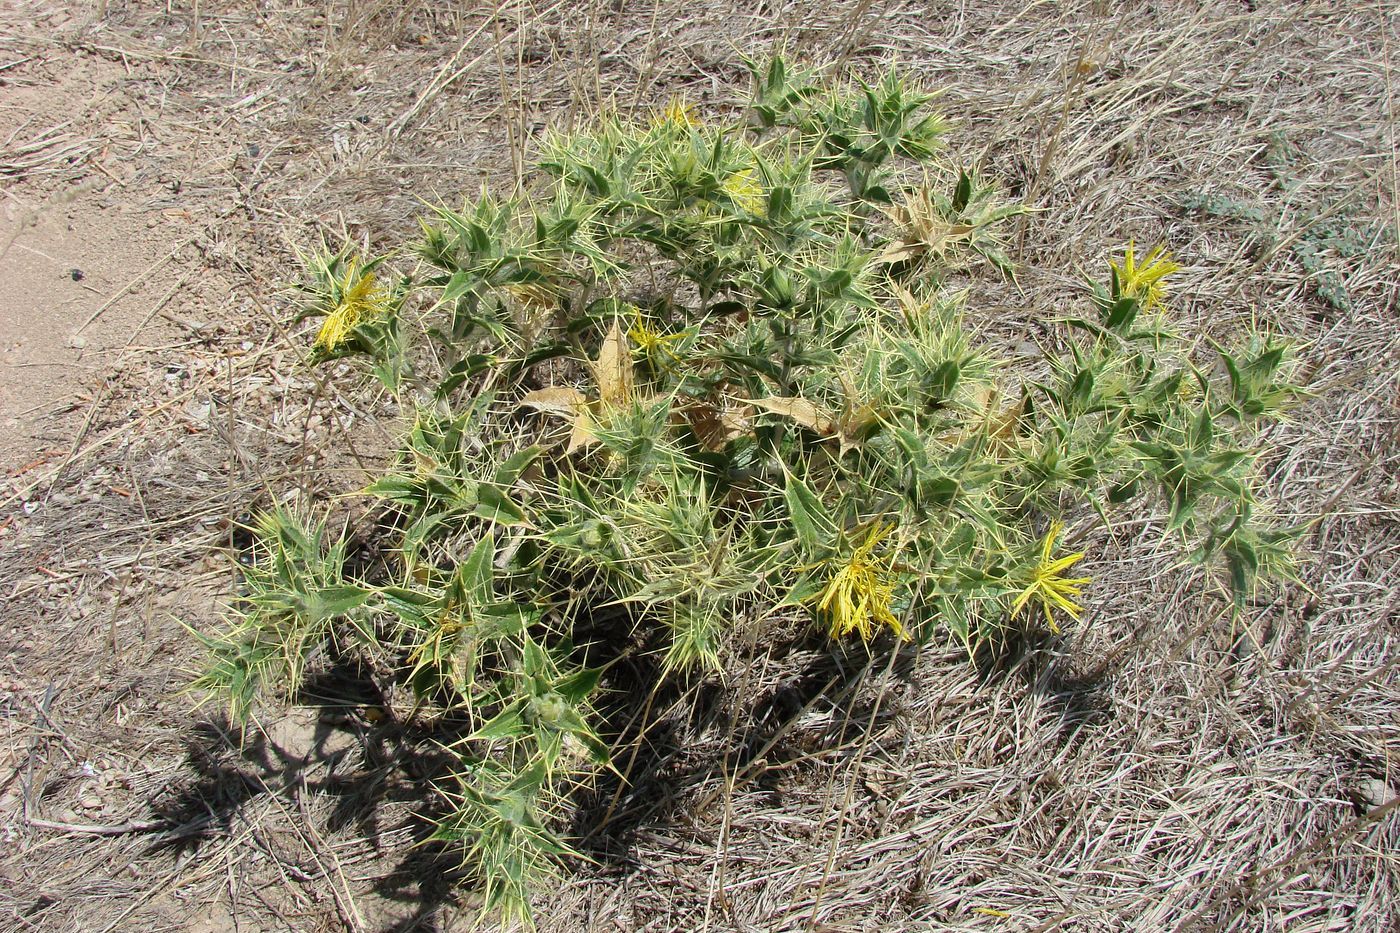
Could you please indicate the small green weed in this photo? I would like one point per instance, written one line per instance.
(1330, 237)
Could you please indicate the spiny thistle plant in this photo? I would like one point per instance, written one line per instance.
(715, 376)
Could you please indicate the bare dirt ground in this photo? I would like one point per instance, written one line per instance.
(1154, 770)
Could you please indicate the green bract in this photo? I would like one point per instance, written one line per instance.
(710, 377)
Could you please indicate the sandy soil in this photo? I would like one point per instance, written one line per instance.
(80, 252)
(1155, 770)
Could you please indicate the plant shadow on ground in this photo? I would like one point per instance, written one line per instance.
(364, 768)
(751, 735)
(1080, 698)
(690, 733)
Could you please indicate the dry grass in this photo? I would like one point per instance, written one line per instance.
(1156, 769)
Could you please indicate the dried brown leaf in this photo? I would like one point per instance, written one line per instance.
(715, 426)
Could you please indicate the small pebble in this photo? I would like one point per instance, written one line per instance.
(1373, 792)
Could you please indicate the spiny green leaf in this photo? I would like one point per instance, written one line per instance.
(811, 520)
(509, 723)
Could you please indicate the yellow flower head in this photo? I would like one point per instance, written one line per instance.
(677, 113)
(745, 191)
(1146, 280)
(650, 342)
(361, 299)
(857, 596)
(1048, 584)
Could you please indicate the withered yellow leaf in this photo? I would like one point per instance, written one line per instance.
(855, 425)
(900, 251)
(582, 436)
(1004, 425)
(800, 410)
(613, 370)
(557, 400)
(922, 229)
(568, 403)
